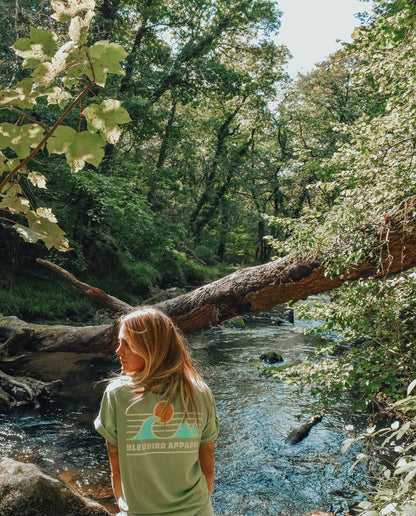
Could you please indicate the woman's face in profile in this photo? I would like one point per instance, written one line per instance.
(131, 362)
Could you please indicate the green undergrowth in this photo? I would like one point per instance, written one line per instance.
(41, 301)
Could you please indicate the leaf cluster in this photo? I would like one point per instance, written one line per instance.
(64, 70)
(392, 448)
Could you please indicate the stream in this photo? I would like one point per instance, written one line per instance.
(257, 472)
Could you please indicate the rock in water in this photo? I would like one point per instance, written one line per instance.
(298, 434)
(271, 357)
(26, 490)
(235, 322)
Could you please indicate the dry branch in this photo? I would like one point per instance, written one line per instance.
(98, 296)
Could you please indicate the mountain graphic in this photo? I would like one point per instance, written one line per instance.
(183, 432)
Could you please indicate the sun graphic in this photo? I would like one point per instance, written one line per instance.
(164, 411)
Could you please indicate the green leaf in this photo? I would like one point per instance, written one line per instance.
(28, 234)
(78, 148)
(21, 139)
(61, 140)
(55, 239)
(347, 443)
(78, 28)
(105, 117)
(15, 201)
(39, 47)
(44, 229)
(407, 467)
(105, 58)
(37, 179)
(68, 56)
(58, 96)
(21, 96)
(411, 387)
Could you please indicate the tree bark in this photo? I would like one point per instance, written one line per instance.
(249, 290)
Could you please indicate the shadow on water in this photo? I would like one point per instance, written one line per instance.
(257, 472)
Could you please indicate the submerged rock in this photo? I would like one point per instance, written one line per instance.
(26, 490)
(271, 357)
(235, 322)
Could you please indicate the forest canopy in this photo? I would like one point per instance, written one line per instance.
(173, 147)
(197, 83)
(162, 144)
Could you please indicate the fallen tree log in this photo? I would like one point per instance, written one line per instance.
(249, 290)
(20, 337)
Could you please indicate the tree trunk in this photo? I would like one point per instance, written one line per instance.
(249, 290)
(210, 175)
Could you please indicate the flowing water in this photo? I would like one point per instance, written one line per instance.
(257, 472)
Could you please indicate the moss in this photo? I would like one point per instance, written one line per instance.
(5, 400)
(235, 322)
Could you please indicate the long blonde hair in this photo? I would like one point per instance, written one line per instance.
(168, 367)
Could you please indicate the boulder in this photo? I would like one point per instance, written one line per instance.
(271, 357)
(285, 313)
(27, 490)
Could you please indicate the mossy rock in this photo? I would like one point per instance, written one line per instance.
(235, 322)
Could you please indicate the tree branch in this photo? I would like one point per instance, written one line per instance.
(98, 296)
(23, 163)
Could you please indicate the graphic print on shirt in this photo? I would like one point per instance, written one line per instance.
(162, 431)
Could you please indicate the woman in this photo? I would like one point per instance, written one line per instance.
(159, 421)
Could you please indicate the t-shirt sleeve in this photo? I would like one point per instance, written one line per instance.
(212, 425)
(106, 421)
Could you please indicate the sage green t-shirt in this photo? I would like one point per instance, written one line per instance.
(158, 451)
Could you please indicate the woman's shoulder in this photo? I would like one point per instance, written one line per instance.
(202, 391)
(117, 384)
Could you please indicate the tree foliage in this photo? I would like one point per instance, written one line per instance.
(363, 165)
(64, 70)
(370, 170)
(168, 188)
